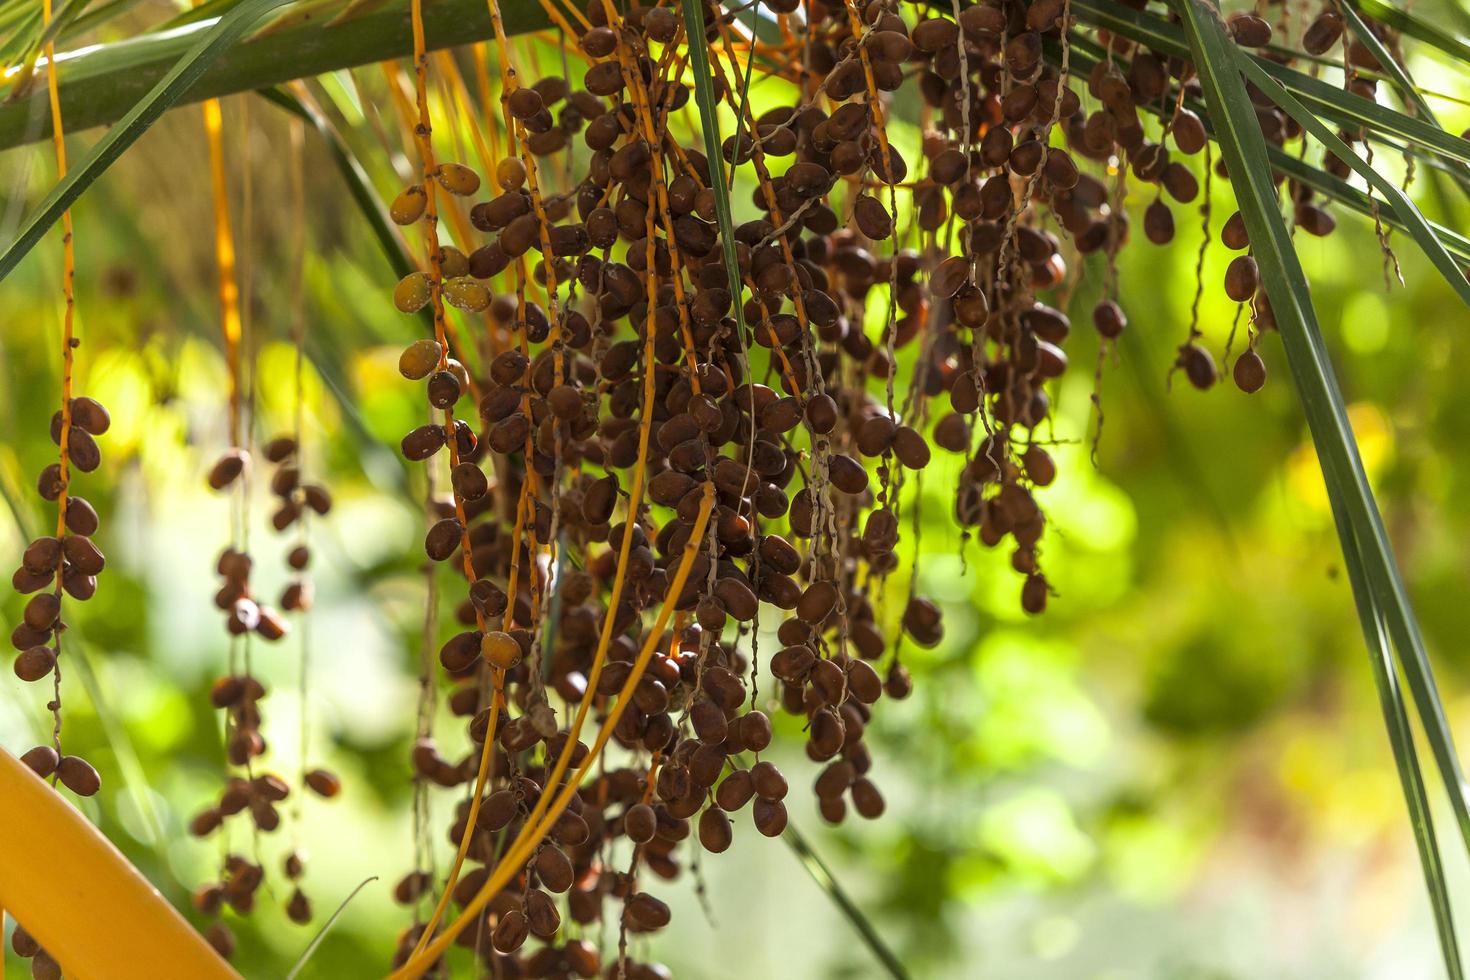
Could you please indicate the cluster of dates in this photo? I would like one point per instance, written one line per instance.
(239, 694)
(53, 567)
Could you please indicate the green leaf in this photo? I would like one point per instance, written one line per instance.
(321, 934)
(207, 10)
(709, 124)
(1408, 91)
(33, 41)
(744, 97)
(100, 83)
(135, 123)
(19, 42)
(1387, 61)
(1347, 110)
(1377, 585)
(1405, 756)
(325, 348)
(135, 778)
(828, 882)
(1343, 192)
(1417, 226)
(98, 15)
(1085, 55)
(61, 20)
(1401, 20)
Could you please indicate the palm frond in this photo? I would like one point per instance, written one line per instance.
(1406, 758)
(369, 205)
(1457, 48)
(316, 941)
(1343, 108)
(1404, 208)
(827, 881)
(34, 40)
(184, 73)
(1085, 56)
(1383, 604)
(97, 16)
(1390, 65)
(100, 84)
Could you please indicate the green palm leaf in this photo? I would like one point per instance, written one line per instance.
(1343, 108)
(1382, 601)
(1420, 30)
(1403, 207)
(185, 72)
(704, 98)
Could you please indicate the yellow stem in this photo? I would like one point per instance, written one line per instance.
(423, 137)
(429, 174)
(68, 275)
(487, 752)
(224, 254)
(857, 35)
(406, 114)
(81, 899)
(561, 22)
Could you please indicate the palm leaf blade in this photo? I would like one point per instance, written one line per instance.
(1401, 20)
(1084, 56)
(185, 72)
(1374, 575)
(824, 878)
(1418, 227)
(1344, 108)
(704, 97)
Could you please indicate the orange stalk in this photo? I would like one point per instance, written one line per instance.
(487, 753)
(68, 276)
(224, 254)
(644, 111)
(423, 133)
(635, 502)
(652, 777)
(509, 82)
(80, 897)
(508, 865)
(857, 35)
(560, 21)
(406, 118)
(68, 343)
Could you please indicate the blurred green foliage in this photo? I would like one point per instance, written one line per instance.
(1178, 772)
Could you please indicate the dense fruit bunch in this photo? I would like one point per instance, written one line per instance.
(666, 453)
(53, 567)
(676, 461)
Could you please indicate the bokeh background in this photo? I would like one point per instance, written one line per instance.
(1179, 771)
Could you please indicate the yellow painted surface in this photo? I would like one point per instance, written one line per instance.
(82, 900)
